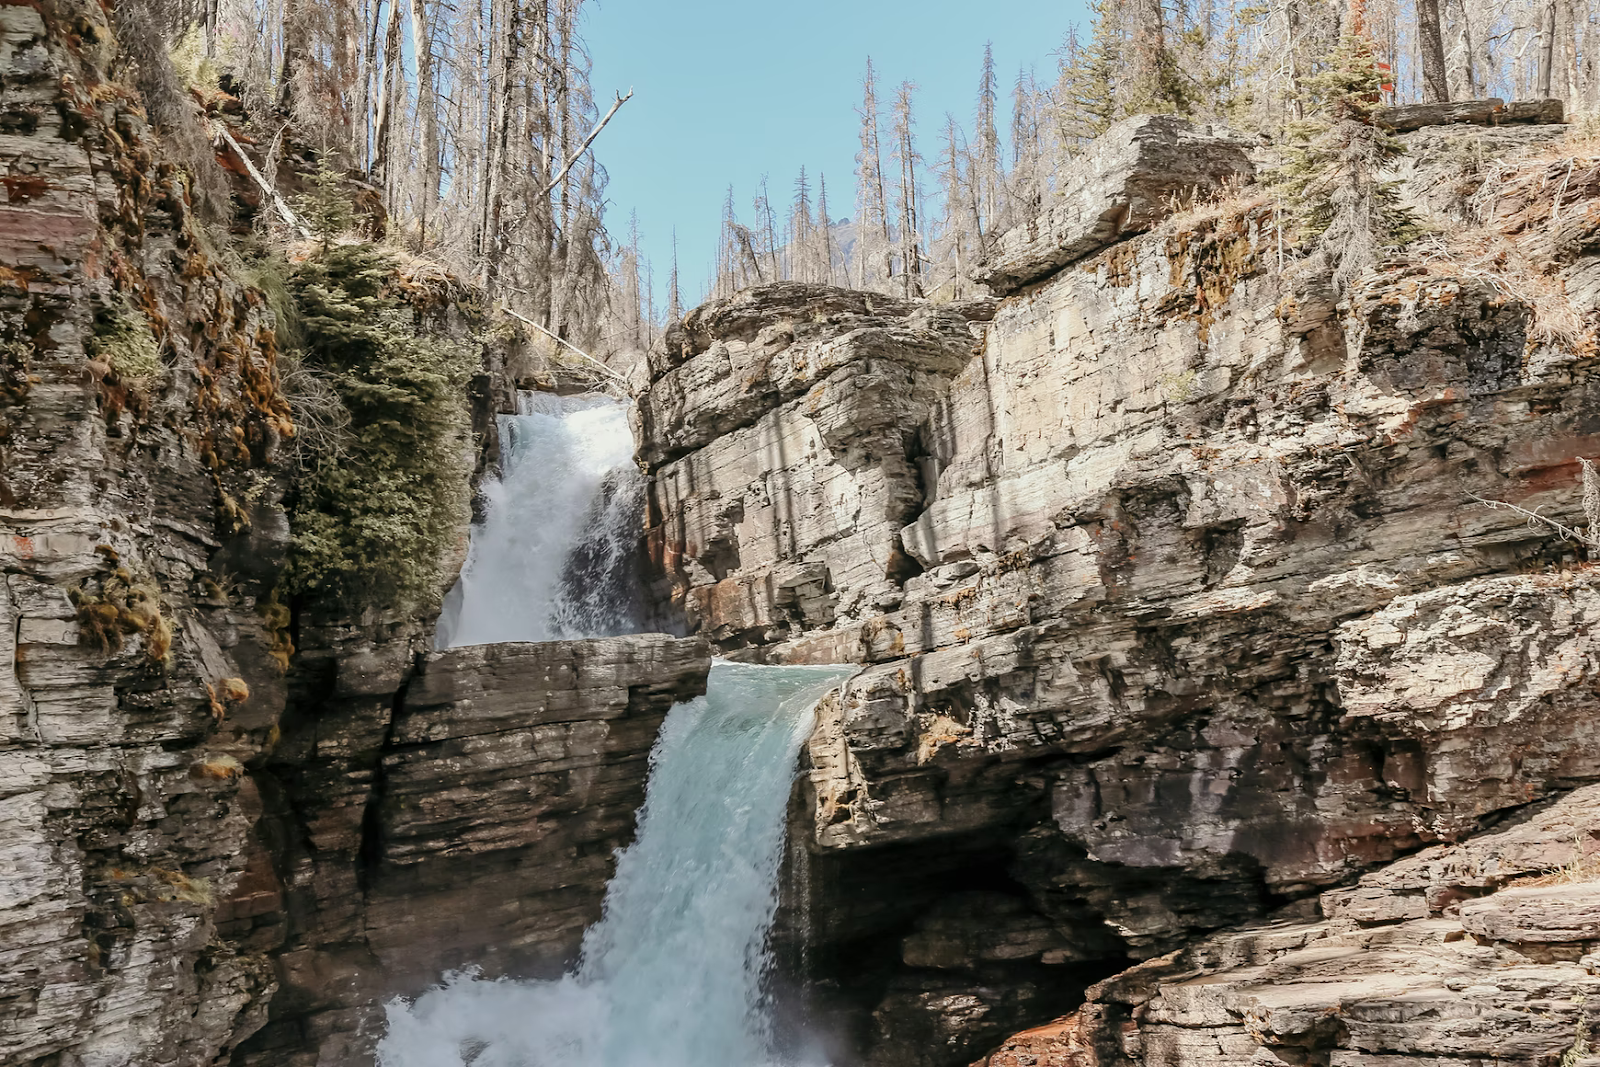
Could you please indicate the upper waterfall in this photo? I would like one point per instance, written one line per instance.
(673, 975)
(552, 558)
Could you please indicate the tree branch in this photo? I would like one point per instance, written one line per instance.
(272, 194)
(1567, 533)
(587, 141)
(563, 341)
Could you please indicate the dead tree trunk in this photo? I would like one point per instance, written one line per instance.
(1430, 41)
(386, 88)
(427, 113)
(1547, 48)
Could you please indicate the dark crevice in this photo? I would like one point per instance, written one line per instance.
(370, 854)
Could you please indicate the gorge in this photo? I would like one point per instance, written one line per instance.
(1142, 664)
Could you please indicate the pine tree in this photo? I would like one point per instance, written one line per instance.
(959, 232)
(1154, 82)
(1330, 185)
(873, 242)
(985, 170)
(768, 234)
(800, 228)
(674, 293)
(1087, 86)
(825, 227)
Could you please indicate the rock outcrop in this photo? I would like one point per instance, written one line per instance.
(1472, 953)
(1125, 182)
(470, 820)
(140, 539)
(1195, 614)
(231, 823)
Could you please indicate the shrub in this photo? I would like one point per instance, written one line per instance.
(373, 527)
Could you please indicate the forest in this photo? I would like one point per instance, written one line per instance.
(476, 123)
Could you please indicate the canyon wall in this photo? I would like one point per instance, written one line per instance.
(1177, 602)
(141, 540)
(234, 821)
(1174, 598)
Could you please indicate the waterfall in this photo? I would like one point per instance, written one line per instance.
(672, 975)
(553, 556)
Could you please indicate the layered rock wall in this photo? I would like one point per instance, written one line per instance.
(231, 826)
(139, 540)
(461, 812)
(1195, 614)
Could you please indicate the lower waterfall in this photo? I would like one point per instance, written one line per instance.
(673, 974)
(551, 559)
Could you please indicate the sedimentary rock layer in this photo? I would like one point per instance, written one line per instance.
(1471, 953)
(140, 673)
(1196, 612)
(472, 820)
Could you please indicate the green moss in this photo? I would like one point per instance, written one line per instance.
(123, 340)
(372, 526)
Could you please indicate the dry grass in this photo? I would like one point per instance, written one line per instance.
(1534, 213)
(1190, 210)
(1583, 866)
(1489, 255)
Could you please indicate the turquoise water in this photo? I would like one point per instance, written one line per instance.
(672, 975)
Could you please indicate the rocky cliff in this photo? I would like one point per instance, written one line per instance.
(142, 539)
(1206, 707)
(236, 818)
(1175, 596)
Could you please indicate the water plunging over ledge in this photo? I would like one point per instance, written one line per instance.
(672, 976)
(553, 557)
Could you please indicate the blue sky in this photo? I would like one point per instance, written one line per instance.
(726, 91)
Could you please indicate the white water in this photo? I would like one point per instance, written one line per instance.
(551, 560)
(672, 975)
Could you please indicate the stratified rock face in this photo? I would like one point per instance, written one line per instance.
(784, 430)
(471, 821)
(1123, 183)
(136, 676)
(1196, 614)
(192, 837)
(1472, 953)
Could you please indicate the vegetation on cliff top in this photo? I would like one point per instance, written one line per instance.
(374, 521)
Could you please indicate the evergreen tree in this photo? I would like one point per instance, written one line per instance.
(1331, 190)
(1087, 102)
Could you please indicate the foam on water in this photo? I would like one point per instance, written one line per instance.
(551, 560)
(672, 976)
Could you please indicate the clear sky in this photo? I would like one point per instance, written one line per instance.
(726, 91)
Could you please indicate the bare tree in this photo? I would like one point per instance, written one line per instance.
(906, 160)
(1430, 43)
(873, 242)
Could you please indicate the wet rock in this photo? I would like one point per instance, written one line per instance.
(1192, 613)
(470, 817)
